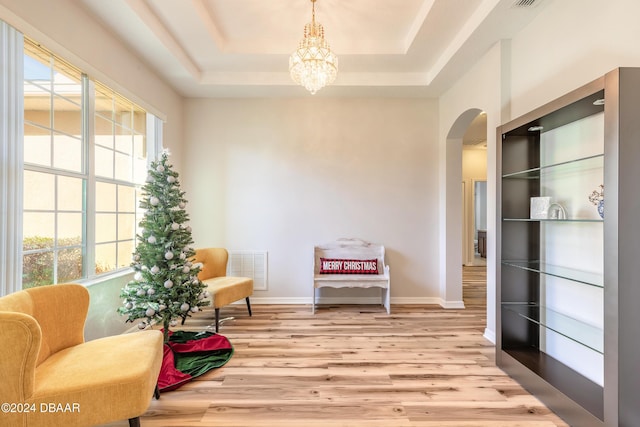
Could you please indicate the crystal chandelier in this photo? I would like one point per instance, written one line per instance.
(313, 65)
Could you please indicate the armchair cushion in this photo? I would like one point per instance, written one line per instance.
(223, 289)
(47, 362)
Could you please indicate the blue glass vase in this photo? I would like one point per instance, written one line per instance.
(601, 208)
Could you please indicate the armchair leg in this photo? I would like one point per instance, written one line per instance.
(134, 422)
(248, 306)
(217, 319)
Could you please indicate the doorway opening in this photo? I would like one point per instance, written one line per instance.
(457, 231)
(474, 177)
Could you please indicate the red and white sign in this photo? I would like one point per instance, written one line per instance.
(348, 266)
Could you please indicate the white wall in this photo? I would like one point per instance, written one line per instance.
(576, 245)
(285, 175)
(482, 88)
(474, 163)
(570, 43)
(272, 186)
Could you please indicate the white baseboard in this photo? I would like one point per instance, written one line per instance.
(414, 300)
(307, 300)
(277, 301)
(490, 335)
(354, 300)
(451, 304)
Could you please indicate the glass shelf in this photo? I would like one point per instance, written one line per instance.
(553, 220)
(534, 173)
(586, 277)
(583, 333)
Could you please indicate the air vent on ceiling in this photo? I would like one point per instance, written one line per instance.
(525, 3)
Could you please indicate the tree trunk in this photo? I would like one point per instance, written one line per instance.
(165, 330)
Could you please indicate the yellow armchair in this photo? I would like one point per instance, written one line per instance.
(222, 288)
(51, 377)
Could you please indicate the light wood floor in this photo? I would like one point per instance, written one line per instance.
(354, 366)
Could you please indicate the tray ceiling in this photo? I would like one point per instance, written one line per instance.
(240, 48)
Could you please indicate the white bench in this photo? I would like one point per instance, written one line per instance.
(351, 250)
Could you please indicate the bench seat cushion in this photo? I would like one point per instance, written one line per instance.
(225, 290)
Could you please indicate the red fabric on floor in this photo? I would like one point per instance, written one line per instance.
(170, 378)
(188, 355)
(214, 342)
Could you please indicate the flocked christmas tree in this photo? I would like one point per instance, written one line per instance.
(165, 286)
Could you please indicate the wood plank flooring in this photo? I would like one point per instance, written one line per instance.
(351, 365)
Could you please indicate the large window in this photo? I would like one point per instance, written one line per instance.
(120, 168)
(85, 156)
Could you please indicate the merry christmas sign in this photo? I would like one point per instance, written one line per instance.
(348, 266)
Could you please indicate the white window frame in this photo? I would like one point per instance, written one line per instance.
(12, 164)
(11, 158)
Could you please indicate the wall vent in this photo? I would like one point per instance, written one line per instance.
(525, 3)
(249, 264)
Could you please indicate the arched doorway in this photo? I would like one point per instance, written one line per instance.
(451, 230)
(474, 188)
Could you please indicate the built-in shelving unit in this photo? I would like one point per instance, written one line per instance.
(565, 283)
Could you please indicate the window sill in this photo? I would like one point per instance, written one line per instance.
(106, 277)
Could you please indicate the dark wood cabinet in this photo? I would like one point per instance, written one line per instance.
(567, 285)
(482, 243)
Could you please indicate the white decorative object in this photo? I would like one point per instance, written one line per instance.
(556, 211)
(352, 249)
(539, 207)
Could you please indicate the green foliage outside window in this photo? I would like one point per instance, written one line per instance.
(37, 268)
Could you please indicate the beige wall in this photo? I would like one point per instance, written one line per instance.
(481, 89)
(67, 30)
(285, 175)
(474, 164)
(267, 174)
(570, 43)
